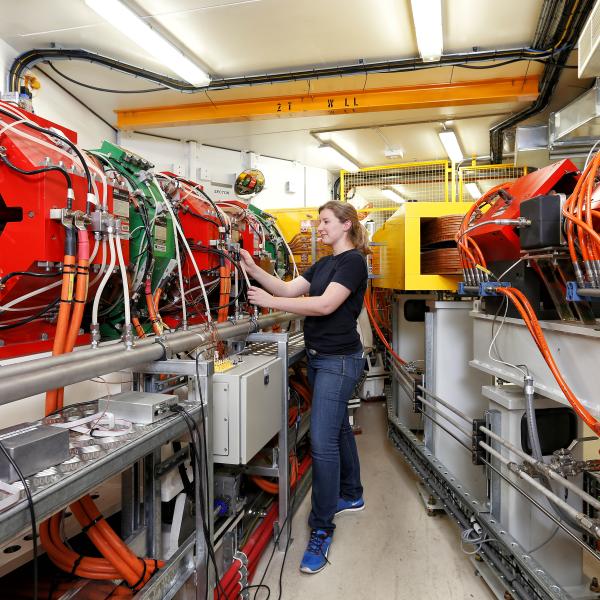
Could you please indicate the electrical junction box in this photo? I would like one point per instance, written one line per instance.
(545, 214)
(247, 405)
(138, 407)
(34, 447)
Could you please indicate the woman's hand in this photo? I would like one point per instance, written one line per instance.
(259, 297)
(247, 262)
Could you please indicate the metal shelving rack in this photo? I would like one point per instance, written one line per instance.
(139, 460)
(290, 348)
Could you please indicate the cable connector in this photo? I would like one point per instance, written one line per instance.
(95, 330)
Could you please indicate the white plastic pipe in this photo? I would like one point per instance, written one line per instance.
(126, 302)
(111, 266)
(187, 247)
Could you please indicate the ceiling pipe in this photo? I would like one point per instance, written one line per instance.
(32, 57)
(574, 18)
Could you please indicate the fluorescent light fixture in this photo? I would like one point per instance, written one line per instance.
(473, 190)
(451, 145)
(139, 32)
(427, 18)
(339, 158)
(391, 194)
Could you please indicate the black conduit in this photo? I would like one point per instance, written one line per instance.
(30, 58)
(552, 70)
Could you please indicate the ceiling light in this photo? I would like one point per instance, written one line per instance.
(427, 18)
(391, 153)
(129, 24)
(473, 190)
(391, 194)
(339, 157)
(451, 145)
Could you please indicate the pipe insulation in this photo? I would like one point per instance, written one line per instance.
(48, 373)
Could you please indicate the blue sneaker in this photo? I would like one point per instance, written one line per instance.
(349, 505)
(315, 557)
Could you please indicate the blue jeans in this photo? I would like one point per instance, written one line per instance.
(335, 465)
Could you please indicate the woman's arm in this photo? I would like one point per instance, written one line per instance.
(286, 289)
(314, 306)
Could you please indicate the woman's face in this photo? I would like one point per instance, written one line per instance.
(330, 228)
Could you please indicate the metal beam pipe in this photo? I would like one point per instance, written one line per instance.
(49, 373)
(583, 520)
(543, 468)
(52, 362)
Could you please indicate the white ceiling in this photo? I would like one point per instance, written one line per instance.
(243, 37)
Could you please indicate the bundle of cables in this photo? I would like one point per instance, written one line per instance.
(472, 261)
(585, 241)
(377, 324)
(117, 561)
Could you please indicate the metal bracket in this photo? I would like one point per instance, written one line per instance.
(483, 289)
(477, 452)
(574, 295)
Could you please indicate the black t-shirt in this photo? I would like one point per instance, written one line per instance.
(336, 333)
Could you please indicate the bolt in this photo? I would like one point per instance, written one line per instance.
(31, 214)
(44, 337)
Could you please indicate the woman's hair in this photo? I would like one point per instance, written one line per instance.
(358, 233)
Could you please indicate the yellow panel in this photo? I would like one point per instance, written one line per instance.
(488, 91)
(289, 219)
(397, 253)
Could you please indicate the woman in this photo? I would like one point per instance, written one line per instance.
(335, 286)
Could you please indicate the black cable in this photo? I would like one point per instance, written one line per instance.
(8, 276)
(205, 514)
(291, 504)
(65, 140)
(31, 318)
(187, 211)
(60, 170)
(211, 202)
(99, 89)
(34, 534)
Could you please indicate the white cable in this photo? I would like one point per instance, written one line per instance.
(102, 266)
(187, 247)
(587, 160)
(52, 146)
(126, 303)
(296, 272)
(501, 277)
(493, 345)
(180, 270)
(8, 306)
(106, 277)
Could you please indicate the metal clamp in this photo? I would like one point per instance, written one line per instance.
(575, 293)
(477, 452)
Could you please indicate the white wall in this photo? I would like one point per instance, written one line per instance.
(288, 184)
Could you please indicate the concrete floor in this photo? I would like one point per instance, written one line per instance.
(390, 551)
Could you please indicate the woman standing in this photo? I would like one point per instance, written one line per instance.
(335, 286)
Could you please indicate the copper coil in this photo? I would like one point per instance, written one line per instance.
(443, 261)
(440, 229)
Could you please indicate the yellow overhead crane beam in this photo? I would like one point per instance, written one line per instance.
(523, 89)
